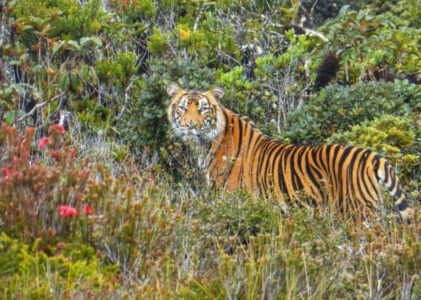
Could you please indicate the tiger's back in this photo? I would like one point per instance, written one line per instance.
(239, 155)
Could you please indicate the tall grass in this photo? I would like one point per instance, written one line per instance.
(151, 238)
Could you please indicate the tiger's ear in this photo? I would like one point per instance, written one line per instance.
(218, 92)
(173, 89)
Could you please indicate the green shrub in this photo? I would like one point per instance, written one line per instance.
(156, 234)
(73, 270)
(150, 101)
(67, 20)
(396, 138)
(338, 108)
(240, 214)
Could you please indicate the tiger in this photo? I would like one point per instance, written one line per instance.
(238, 155)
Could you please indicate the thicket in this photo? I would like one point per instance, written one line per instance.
(114, 207)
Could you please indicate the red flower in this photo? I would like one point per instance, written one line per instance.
(55, 154)
(6, 173)
(61, 128)
(67, 211)
(88, 209)
(43, 142)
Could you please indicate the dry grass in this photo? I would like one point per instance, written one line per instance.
(152, 238)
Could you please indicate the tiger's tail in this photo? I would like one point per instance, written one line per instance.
(388, 179)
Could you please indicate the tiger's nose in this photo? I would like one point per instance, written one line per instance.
(189, 124)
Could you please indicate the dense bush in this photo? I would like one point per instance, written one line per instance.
(114, 207)
(73, 269)
(144, 228)
(395, 138)
(338, 108)
(149, 108)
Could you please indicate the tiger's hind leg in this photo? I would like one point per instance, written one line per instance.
(388, 179)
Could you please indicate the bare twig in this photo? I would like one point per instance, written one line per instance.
(40, 105)
(126, 97)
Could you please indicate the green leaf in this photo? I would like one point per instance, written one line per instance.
(75, 80)
(37, 68)
(361, 15)
(57, 47)
(97, 41)
(63, 81)
(10, 117)
(19, 88)
(84, 40)
(93, 75)
(74, 44)
(342, 12)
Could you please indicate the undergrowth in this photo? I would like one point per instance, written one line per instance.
(132, 232)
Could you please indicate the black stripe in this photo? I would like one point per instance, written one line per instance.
(227, 126)
(275, 146)
(403, 205)
(398, 192)
(296, 178)
(364, 163)
(261, 160)
(393, 177)
(314, 156)
(287, 156)
(352, 173)
(370, 180)
(342, 159)
(240, 139)
(236, 154)
(276, 157)
(332, 163)
(386, 172)
(376, 166)
(281, 174)
(360, 180)
(272, 151)
(309, 170)
(251, 134)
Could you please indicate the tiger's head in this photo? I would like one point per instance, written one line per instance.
(194, 115)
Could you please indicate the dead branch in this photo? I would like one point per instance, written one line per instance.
(40, 105)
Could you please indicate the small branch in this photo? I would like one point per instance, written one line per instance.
(199, 16)
(315, 33)
(40, 105)
(313, 7)
(126, 97)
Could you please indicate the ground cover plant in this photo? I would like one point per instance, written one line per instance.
(111, 205)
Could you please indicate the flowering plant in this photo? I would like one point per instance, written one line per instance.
(67, 211)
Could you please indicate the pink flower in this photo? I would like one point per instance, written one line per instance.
(67, 210)
(6, 173)
(43, 142)
(88, 209)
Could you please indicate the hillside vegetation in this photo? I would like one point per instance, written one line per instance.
(113, 206)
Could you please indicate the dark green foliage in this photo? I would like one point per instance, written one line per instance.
(329, 9)
(147, 109)
(396, 138)
(67, 20)
(155, 230)
(240, 215)
(338, 108)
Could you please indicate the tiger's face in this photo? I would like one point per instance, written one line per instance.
(194, 115)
